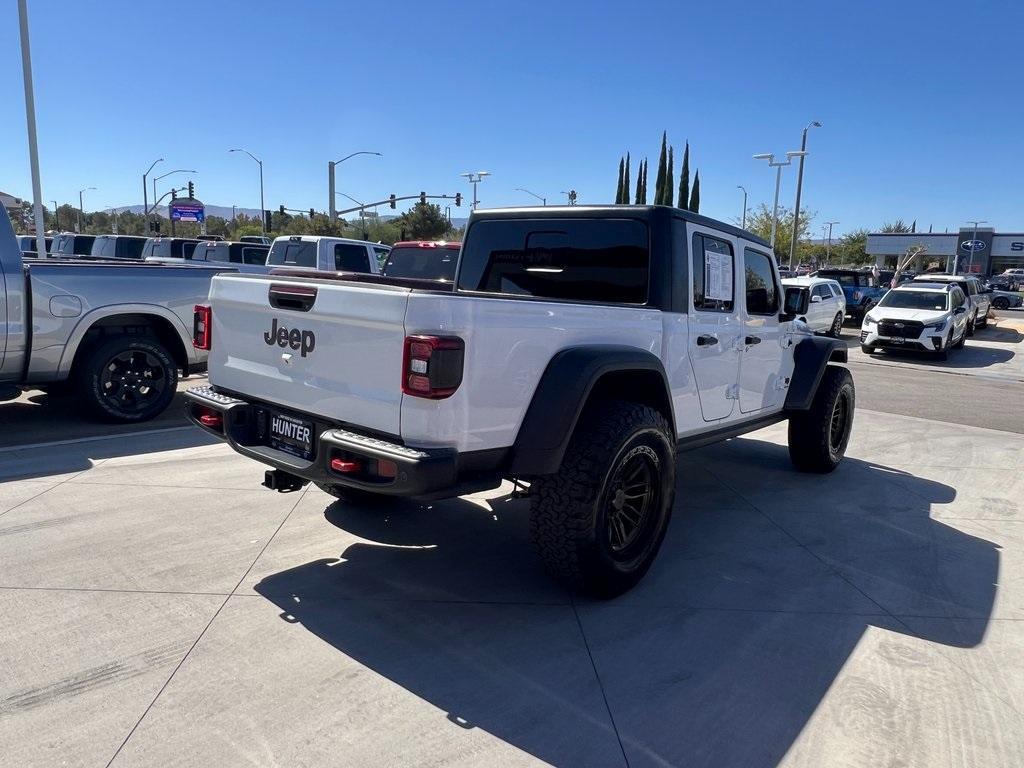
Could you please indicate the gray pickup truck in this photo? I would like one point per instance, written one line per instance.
(114, 334)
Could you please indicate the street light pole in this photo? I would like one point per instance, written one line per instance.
(30, 119)
(543, 200)
(56, 216)
(145, 192)
(828, 247)
(263, 207)
(81, 206)
(778, 181)
(474, 179)
(799, 187)
(743, 225)
(332, 209)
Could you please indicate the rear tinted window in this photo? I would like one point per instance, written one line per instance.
(603, 260)
(254, 255)
(422, 263)
(129, 247)
(293, 253)
(351, 258)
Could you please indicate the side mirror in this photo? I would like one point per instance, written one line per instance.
(815, 299)
(959, 310)
(797, 300)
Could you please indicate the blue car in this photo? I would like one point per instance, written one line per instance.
(861, 289)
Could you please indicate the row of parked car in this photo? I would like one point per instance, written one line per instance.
(928, 312)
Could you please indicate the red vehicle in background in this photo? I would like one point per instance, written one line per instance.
(423, 260)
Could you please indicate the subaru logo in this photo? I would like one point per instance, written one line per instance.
(899, 325)
(973, 245)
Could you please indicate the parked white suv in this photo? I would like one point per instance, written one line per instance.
(930, 317)
(826, 306)
(979, 299)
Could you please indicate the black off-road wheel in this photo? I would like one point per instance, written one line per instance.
(127, 378)
(599, 521)
(818, 437)
(1001, 302)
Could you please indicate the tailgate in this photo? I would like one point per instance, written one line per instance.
(329, 348)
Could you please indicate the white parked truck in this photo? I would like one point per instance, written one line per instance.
(115, 334)
(576, 350)
(327, 254)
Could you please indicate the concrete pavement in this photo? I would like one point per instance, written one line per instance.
(161, 609)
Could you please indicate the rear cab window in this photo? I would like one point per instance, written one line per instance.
(293, 253)
(422, 263)
(593, 260)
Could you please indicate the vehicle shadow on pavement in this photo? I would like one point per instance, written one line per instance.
(766, 584)
(1000, 334)
(48, 460)
(971, 356)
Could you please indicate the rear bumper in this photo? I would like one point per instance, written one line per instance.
(422, 473)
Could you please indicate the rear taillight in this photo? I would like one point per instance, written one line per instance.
(202, 319)
(432, 366)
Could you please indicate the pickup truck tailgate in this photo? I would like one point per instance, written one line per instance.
(329, 348)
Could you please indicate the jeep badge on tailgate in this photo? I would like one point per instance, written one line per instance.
(294, 338)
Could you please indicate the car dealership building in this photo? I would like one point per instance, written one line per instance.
(984, 251)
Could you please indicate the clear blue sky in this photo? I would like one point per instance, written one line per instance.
(920, 101)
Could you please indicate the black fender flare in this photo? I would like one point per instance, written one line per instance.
(561, 394)
(810, 356)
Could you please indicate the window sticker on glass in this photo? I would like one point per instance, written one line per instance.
(718, 276)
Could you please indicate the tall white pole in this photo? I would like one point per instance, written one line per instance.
(30, 117)
(775, 205)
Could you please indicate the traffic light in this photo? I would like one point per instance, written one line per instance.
(423, 198)
(266, 221)
(458, 199)
(191, 190)
(312, 213)
(392, 201)
(572, 197)
(281, 209)
(174, 194)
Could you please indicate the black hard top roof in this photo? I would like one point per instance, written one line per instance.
(613, 211)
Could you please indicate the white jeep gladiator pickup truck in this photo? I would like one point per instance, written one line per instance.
(575, 352)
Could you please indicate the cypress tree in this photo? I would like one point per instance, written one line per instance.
(695, 195)
(618, 189)
(684, 178)
(670, 189)
(643, 192)
(626, 181)
(639, 182)
(913, 226)
(659, 181)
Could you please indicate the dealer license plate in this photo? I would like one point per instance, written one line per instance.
(291, 435)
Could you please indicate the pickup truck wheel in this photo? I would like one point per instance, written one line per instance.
(127, 378)
(599, 521)
(818, 436)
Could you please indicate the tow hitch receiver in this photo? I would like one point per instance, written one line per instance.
(281, 481)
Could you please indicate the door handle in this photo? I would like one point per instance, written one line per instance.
(751, 340)
(706, 340)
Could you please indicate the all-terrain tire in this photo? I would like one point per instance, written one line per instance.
(1001, 302)
(818, 437)
(579, 516)
(126, 378)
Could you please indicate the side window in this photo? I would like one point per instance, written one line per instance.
(254, 256)
(822, 292)
(381, 253)
(713, 270)
(759, 282)
(837, 291)
(351, 258)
